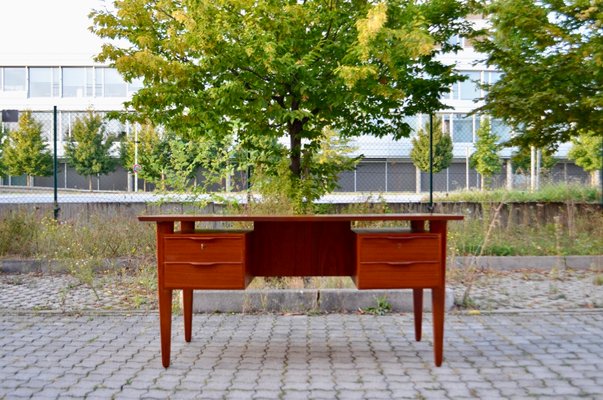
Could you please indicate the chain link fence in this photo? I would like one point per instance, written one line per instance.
(384, 173)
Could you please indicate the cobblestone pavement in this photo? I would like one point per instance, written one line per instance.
(537, 335)
(339, 356)
(531, 290)
(63, 292)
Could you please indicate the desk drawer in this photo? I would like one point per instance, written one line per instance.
(220, 247)
(398, 274)
(205, 275)
(398, 260)
(398, 247)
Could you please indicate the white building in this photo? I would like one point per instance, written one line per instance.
(46, 60)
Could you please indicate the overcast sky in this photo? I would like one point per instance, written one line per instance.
(47, 27)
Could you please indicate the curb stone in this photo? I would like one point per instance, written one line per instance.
(308, 300)
(28, 266)
(509, 263)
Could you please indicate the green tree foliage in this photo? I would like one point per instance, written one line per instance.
(283, 69)
(25, 150)
(521, 160)
(442, 148)
(551, 56)
(2, 139)
(485, 159)
(153, 154)
(322, 169)
(88, 149)
(587, 152)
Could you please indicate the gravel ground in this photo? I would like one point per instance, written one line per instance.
(530, 290)
(489, 291)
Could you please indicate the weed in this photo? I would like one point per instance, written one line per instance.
(383, 307)
(467, 302)
(471, 268)
(598, 280)
(19, 231)
(84, 271)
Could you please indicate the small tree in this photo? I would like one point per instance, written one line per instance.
(522, 158)
(25, 150)
(88, 148)
(442, 148)
(486, 160)
(2, 167)
(183, 163)
(153, 154)
(586, 152)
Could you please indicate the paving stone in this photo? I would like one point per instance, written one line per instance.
(500, 355)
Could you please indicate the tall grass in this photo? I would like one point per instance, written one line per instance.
(579, 234)
(19, 233)
(547, 193)
(27, 234)
(101, 236)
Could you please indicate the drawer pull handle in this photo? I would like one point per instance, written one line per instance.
(203, 264)
(204, 238)
(406, 237)
(400, 263)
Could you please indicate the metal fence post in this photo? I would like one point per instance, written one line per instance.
(430, 162)
(55, 165)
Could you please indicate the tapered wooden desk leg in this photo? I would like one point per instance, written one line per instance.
(187, 300)
(165, 322)
(417, 302)
(437, 304)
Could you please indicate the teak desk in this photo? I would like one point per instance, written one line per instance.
(413, 257)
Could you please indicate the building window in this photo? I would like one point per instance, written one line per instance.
(494, 77)
(134, 86)
(98, 82)
(469, 88)
(456, 40)
(77, 82)
(500, 129)
(109, 83)
(463, 128)
(43, 82)
(115, 86)
(13, 79)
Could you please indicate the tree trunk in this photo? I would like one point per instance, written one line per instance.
(90, 182)
(595, 178)
(295, 139)
(509, 175)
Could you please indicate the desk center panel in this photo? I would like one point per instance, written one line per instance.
(302, 248)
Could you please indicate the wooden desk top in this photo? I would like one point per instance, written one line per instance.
(302, 218)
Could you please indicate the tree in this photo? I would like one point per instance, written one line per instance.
(550, 53)
(283, 69)
(521, 160)
(88, 149)
(153, 154)
(485, 159)
(25, 150)
(587, 152)
(442, 148)
(333, 157)
(2, 138)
